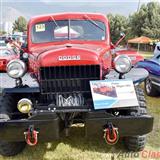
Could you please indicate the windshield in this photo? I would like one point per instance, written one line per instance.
(59, 30)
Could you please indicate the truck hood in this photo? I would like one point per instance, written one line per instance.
(69, 54)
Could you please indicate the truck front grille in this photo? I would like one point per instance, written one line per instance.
(67, 79)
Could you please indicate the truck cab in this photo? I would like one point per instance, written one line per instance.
(70, 39)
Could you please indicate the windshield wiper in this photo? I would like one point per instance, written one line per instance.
(93, 22)
(54, 21)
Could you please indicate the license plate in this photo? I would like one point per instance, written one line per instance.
(113, 94)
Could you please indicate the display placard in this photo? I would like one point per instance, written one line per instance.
(113, 94)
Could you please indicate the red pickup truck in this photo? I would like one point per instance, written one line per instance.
(66, 52)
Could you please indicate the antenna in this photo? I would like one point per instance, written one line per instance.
(138, 5)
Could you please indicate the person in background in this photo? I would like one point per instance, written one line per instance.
(9, 43)
(12, 44)
(18, 42)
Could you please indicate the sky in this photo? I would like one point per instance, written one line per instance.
(28, 8)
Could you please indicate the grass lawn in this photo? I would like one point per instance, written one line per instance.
(146, 54)
(75, 147)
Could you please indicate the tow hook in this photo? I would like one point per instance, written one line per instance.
(31, 136)
(111, 134)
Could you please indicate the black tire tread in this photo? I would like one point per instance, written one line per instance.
(7, 104)
(142, 109)
(6, 101)
(137, 143)
(11, 148)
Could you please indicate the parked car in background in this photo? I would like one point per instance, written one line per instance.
(133, 54)
(22, 37)
(3, 37)
(152, 83)
(5, 56)
(2, 44)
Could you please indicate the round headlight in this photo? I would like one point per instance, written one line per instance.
(122, 64)
(16, 68)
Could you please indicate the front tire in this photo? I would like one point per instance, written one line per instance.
(137, 143)
(150, 89)
(11, 148)
(7, 106)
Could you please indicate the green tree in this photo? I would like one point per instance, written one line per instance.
(146, 21)
(2, 33)
(118, 24)
(20, 24)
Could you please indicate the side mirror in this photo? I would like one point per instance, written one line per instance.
(122, 36)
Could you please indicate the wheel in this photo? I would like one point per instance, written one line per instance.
(137, 143)
(11, 148)
(150, 89)
(7, 106)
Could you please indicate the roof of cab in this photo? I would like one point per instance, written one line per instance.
(69, 15)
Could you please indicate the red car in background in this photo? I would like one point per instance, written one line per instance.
(133, 54)
(5, 56)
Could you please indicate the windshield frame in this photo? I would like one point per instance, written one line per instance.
(70, 39)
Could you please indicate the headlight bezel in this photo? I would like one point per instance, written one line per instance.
(116, 59)
(22, 66)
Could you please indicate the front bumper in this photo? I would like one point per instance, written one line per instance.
(127, 125)
(49, 126)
